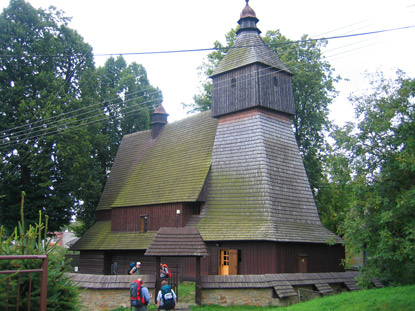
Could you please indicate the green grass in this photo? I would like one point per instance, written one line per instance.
(392, 298)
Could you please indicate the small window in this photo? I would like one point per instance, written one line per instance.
(143, 223)
(275, 81)
(196, 209)
(233, 82)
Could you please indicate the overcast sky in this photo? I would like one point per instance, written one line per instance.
(131, 26)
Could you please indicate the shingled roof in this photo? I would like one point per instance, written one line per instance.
(283, 283)
(258, 188)
(177, 242)
(249, 48)
(160, 170)
(100, 237)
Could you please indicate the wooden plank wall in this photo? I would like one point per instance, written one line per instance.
(321, 257)
(256, 257)
(255, 86)
(163, 215)
(91, 262)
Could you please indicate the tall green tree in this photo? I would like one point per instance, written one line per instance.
(381, 153)
(313, 87)
(127, 99)
(45, 69)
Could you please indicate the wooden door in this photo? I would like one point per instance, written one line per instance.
(228, 262)
(302, 263)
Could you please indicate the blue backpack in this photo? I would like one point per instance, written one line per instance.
(132, 265)
(167, 297)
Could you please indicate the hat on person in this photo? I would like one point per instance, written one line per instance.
(138, 263)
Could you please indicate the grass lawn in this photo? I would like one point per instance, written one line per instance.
(392, 298)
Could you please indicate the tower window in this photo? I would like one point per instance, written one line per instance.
(233, 82)
(275, 81)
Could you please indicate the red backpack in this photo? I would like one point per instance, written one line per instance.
(167, 271)
(137, 298)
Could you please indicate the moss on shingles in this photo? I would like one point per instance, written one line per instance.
(100, 237)
(175, 166)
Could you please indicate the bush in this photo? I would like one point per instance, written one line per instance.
(62, 295)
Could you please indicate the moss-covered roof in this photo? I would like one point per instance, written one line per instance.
(258, 187)
(100, 237)
(170, 168)
(249, 48)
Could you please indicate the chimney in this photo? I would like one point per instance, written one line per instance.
(158, 120)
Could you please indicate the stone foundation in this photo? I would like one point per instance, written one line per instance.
(105, 299)
(255, 297)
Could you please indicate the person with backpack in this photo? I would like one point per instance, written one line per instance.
(139, 295)
(135, 269)
(166, 298)
(164, 272)
(131, 266)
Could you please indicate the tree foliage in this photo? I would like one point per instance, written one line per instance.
(62, 294)
(127, 99)
(61, 119)
(381, 154)
(313, 88)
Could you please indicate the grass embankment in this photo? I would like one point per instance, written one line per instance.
(400, 298)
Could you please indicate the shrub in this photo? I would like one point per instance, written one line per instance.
(62, 295)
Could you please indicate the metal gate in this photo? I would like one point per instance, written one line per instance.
(17, 273)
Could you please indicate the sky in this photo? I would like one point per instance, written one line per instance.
(133, 26)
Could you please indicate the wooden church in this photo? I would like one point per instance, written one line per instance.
(235, 174)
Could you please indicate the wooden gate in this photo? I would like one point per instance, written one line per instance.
(43, 285)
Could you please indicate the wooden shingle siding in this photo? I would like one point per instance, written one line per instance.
(109, 281)
(258, 187)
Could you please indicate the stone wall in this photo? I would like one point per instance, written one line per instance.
(105, 299)
(256, 297)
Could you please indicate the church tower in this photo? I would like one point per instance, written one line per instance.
(251, 74)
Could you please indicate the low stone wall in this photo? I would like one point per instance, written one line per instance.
(232, 297)
(107, 292)
(105, 299)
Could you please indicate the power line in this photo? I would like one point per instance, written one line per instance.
(226, 48)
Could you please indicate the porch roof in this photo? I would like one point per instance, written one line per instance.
(177, 242)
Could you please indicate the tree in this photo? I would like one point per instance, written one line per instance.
(127, 99)
(45, 69)
(62, 119)
(62, 295)
(313, 87)
(381, 153)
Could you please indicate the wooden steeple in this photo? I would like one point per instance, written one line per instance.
(251, 74)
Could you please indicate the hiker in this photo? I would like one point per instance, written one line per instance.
(164, 272)
(139, 295)
(136, 269)
(166, 298)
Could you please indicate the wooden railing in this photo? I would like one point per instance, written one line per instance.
(43, 285)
